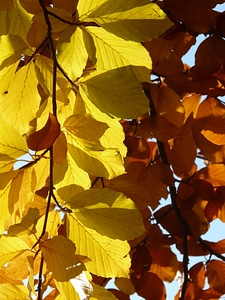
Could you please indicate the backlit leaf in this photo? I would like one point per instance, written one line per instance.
(27, 225)
(21, 103)
(12, 143)
(85, 128)
(45, 137)
(10, 247)
(113, 52)
(9, 291)
(67, 291)
(71, 52)
(215, 271)
(126, 19)
(59, 255)
(19, 20)
(214, 130)
(109, 257)
(99, 292)
(114, 93)
(103, 162)
(213, 173)
(118, 213)
(11, 47)
(70, 179)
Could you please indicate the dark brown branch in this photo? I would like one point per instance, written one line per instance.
(173, 194)
(59, 18)
(54, 110)
(211, 250)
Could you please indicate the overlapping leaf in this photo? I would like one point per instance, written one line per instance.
(114, 93)
(12, 143)
(59, 255)
(109, 257)
(9, 291)
(108, 51)
(10, 248)
(71, 52)
(126, 19)
(118, 213)
(21, 103)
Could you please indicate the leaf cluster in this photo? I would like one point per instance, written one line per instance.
(89, 147)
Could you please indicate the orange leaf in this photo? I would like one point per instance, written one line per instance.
(150, 287)
(214, 130)
(213, 173)
(137, 147)
(141, 260)
(216, 275)
(45, 137)
(197, 275)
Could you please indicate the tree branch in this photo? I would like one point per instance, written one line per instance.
(173, 194)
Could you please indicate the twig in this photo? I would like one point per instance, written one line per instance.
(173, 194)
(211, 250)
(54, 109)
(59, 18)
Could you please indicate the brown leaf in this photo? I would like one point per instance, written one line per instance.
(141, 260)
(164, 263)
(196, 15)
(197, 275)
(169, 220)
(165, 61)
(210, 55)
(45, 137)
(214, 130)
(216, 275)
(137, 147)
(150, 287)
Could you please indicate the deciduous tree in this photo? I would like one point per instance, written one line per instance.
(105, 120)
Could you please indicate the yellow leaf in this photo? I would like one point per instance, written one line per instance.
(59, 255)
(19, 20)
(111, 52)
(67, 291)
(114, 136)
(44, 73)
(118, 213)
(20, 104)
(71, 52)
(27, 225)
(114, 93)
(52, 224)
(138, 21)
(70, 179)
(6, 76)
(99, 292)
(12, 143)
(5, 185)
(85, 128)
(103, 163)
(11, 48)
(84, 8)
(10, 247)
(9, 291)
(109, 257)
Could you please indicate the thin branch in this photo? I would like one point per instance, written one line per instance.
(38, 48)
(54, 110)
(59, 18)
(211, 250)
(40, 278)
(173, 195)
